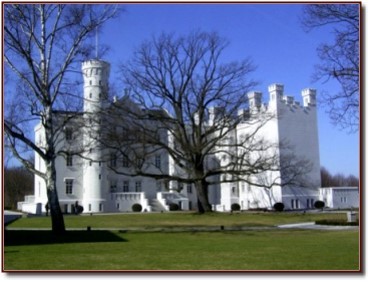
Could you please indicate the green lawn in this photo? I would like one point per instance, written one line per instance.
(241, 250)
(178, 219)
(274, 249)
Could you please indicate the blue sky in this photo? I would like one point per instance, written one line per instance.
(270, 34)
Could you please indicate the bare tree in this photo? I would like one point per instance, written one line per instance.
(43, 46)
(337, 180)
(18, 182)
(184, 101)
(339, 60)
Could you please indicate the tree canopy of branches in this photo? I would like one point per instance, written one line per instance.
(337, 180)
(184, 101)
(44, 45)
(339, 60)
(18, 182)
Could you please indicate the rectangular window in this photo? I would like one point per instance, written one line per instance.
(69, 186)
(138, 186)
(69, 134)
(139, 163)
(189, 188)
(113, 160)
(100, 207)
(158, 161)
(113, 186)
(125, 186)
(69, 160)
(125, 161)
(158, 186)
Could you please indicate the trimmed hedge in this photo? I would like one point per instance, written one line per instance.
(235, 207)
(136, 207)
(319, 204)
(279, 206)
(336, 222)
(173, 207)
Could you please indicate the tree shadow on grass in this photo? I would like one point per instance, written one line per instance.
(40, 237)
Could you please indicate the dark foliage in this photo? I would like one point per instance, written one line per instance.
(173, 207)
(136, 207)
(18, 182)
(235, 207)
(279, 206)
(319, 204)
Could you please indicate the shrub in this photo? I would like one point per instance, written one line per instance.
(279, 206)
(136, 207)
(235, 207)
(173, 207)
(319, 204)
(79, 209)
(336, 222)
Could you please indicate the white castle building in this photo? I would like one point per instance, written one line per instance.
(90, 182)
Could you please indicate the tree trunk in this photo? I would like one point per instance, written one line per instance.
(56, 215)
(202, 196)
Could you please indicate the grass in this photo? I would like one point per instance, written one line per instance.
(255, 250)
(178, 219)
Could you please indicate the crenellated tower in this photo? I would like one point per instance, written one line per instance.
(96, 76)
(309, 97)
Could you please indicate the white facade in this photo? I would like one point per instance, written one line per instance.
(340, 197)
(292, 126)
(91, 184)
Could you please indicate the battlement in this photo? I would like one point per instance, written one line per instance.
(308, 91)
(95, 64)
(309, 97)
(255, 99)
(276, 93)
(95, 68)
(276, 87)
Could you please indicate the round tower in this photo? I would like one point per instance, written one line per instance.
(96, 76)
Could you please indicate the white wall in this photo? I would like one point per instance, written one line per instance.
(340, 197)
